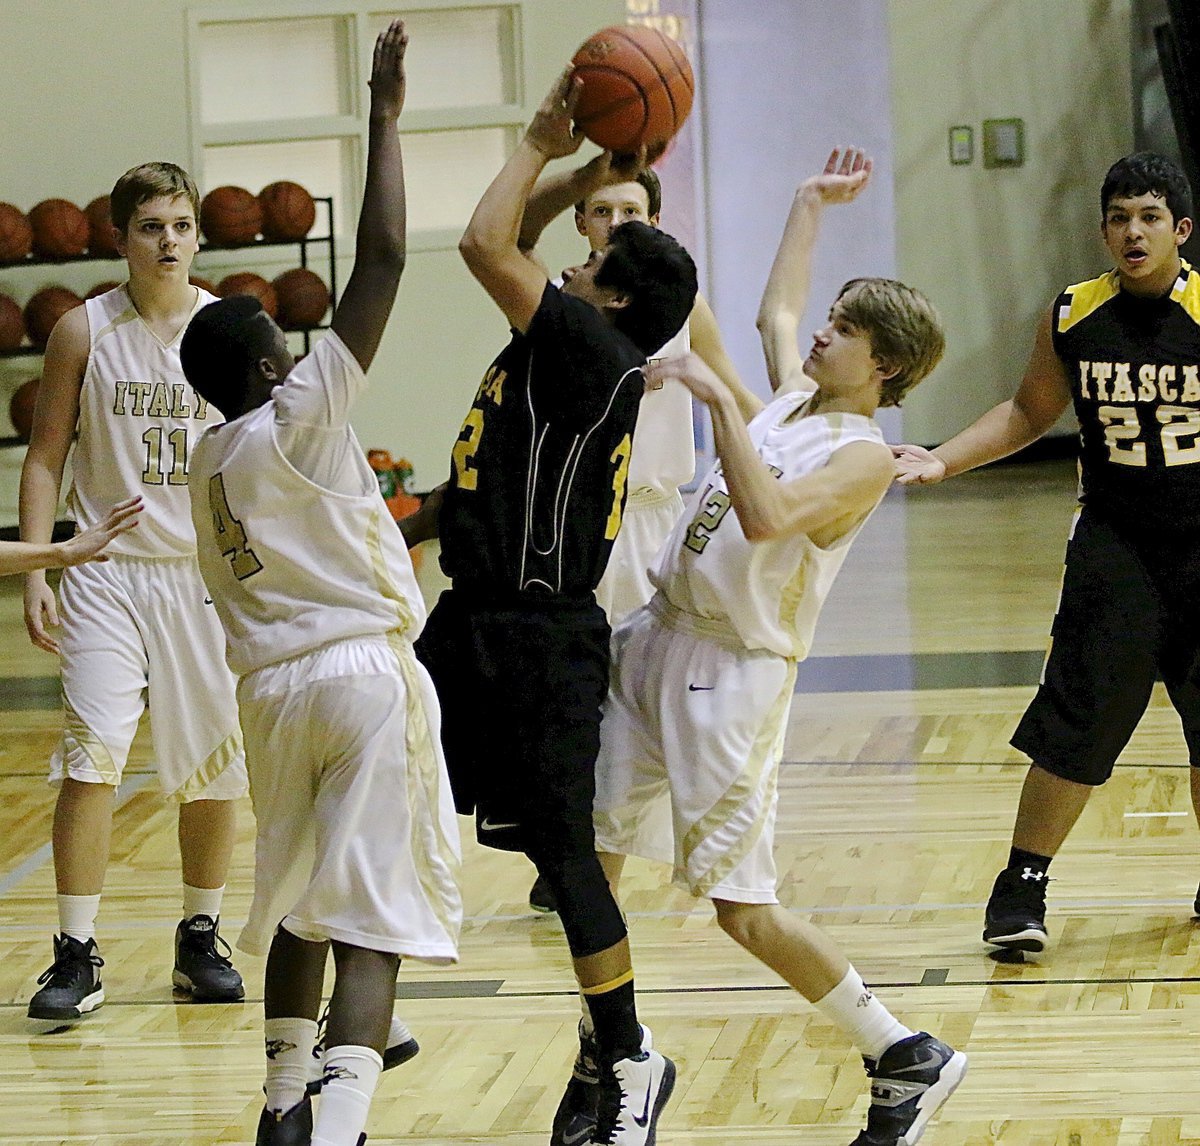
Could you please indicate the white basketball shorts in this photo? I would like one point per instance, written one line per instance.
(648, 520)
(134, 630)
(698, 727)
(357, 837)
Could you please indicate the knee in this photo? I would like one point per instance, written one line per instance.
(741, 921)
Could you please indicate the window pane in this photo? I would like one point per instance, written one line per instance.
(446, 172)
(273, 69)
(458, 58)
(323, 166)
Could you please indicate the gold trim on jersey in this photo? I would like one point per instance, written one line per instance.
(76, 731)
(1087, 298)
(790, 597)
(129, 314)
(1187, 291)
(383, 578)
(218, 760)
(763, 757)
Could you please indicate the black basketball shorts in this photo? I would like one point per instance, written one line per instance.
(1127, 616)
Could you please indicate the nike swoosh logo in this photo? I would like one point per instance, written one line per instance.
(644, 1117)
(701, 687)
(208, 600)
(570, 1138)
(485, 825)
(932, 1058)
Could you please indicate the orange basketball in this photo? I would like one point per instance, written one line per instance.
(45, 309)
(60, 229)
(12, 324)
(203, 284)
(20, 408)
(303, 298)
(637, 88)
(230, 215)
(288, 211)
(16, 235)
(247, 282)
(100, 229)
(101, 288)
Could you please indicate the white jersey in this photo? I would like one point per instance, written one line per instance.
(291, 564)
(664, 444)
(138, 418)
(763, 594)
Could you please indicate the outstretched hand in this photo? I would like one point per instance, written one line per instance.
(846, 173)
(690, 369)
(387, 71)
(916, 465)
(89, 544)
(551, 130)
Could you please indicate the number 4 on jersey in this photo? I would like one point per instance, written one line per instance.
(231, 537)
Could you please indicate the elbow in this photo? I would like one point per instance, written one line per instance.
(761, 527)
(471, 248)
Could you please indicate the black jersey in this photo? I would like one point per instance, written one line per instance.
(1133, 365)
(540, 465)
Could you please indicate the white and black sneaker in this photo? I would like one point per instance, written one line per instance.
(70, 986)
(202, 968)
(575, 1117)
(909, 1082)
(1015, 917)
(401, 1046)
(631, 1095)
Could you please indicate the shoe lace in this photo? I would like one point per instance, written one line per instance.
(319, 1046)
(67, 965)
(203, 945)
(608, 1109)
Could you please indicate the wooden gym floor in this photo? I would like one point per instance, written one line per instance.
(897, 797)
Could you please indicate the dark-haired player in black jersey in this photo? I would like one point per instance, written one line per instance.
(1125, 349)
(518, 647)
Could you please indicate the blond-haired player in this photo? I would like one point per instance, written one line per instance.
(703, 676)
(137, 624)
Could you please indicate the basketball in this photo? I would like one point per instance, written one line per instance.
(101, 288)
(60, 229)
(20, 408)
(303, 298)
(16, 235)
(12, 324)
(288, 211)
(203, 284)
(247, 282)
(45, 309)
(230, 215)
(637, 88)
(100, 231)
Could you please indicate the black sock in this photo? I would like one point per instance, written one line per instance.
(1022, 861)
(614, 1015)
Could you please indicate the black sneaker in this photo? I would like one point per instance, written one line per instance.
(70, 986)
(631, 1095)
(1016, 912)
(541, 897)
(1196, 905)
(200, 968)
(401, 1046)
(286, 1128)
(909, 1082)
(575, 1118)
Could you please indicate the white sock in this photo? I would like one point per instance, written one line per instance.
(77, 916)
(202, 901)
(289, 1047)
(351, 1074)
(868, 1024)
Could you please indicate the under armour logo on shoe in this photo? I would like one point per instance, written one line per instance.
(864, 1000)
(1033, 874)
(277, 1047)
(332, 1072)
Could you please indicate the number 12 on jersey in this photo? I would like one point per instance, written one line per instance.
(231, 537)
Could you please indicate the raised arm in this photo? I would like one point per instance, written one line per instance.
(54, 421)
(380, 245)
(823, 505)
(706, 341)
(489, 245)
(1043, 395)
(846, 174)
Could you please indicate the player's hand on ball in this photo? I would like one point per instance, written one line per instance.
(846, 173)
(551, 130)
(916, 465)
(387, 71)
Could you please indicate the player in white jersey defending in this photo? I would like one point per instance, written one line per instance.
(357, 840)
(607, 191)
(703, 676)
(137, 624)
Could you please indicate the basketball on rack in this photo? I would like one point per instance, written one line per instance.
(247, 282)
(230, 215)
(101, 288)
(60, 229)
(637, 88)
(100, 228)
(303, 298)
(12, 324)
(45, 309)
(203, 283)
(288, 211)
(20, 408)
(16, 235)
